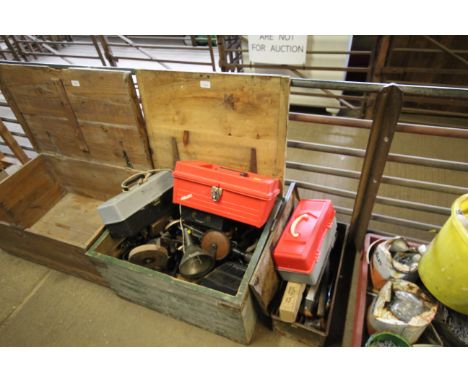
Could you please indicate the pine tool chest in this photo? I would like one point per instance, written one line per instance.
(90, 134)
(212, 129)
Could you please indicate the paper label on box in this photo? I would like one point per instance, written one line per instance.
(205, 84)
(75, 83)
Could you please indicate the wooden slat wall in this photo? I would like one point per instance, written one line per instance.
(79, 113)
(216, 118)
(28, 195)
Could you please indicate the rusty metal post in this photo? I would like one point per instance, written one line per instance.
(210, 46)
(98, 50)
(50, 49)
(108, 51)
(19, 48)
(386, 115)
(11, 48)
(382, 51)
(29, 45)
(222, 53)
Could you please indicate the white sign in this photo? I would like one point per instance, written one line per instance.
(278, 49)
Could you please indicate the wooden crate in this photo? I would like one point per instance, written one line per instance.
(88, 127)
(229, 316)
(334, 323)
(89, 131)
(237, 121)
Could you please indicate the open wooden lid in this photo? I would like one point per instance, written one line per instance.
(89, 114)
(235, 120)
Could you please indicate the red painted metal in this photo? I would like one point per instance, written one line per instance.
(241, 196)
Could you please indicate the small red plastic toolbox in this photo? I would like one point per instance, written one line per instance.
(302, 251)
(241, 196)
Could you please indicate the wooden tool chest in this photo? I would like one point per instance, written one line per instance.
(88, 127)
(89, 132)
(229, 316)
(235, 121)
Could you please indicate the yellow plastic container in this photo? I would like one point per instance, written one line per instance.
(444, 267)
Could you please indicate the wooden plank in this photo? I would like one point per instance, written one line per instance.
(94, 180)
(291, 301)
(225, 116)
(230, 316)
(12, 144)
(177, 298)
(265, 280)
(47, 251)
(93, 114)
(71, 117)
(3, 165)
(29, 194)
(140, 118)
(17, 112)
(74, 219)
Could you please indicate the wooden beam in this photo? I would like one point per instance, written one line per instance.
(3, 164)
(386, 113)
(447, 50)
(19, 115)
(12, 144)
(291, 302)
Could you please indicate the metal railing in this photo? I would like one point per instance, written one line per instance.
(424, 60)
(15, 147)
(368, 194)
(109, 49)
(328, 168)
(231, 59)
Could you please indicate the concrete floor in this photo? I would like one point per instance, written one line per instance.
(42, 307)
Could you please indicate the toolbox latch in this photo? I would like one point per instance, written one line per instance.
(216, 193)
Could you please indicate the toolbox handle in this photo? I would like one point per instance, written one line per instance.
(241, 173)
(137, 179)
(292, 229)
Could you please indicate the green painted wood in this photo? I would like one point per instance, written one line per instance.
(229, 316)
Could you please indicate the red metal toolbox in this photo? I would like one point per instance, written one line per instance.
(241, 196)
(306, 241)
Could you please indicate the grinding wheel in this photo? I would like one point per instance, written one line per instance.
(218, 238)
(151, 256)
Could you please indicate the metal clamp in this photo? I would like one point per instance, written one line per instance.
(216, 193)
